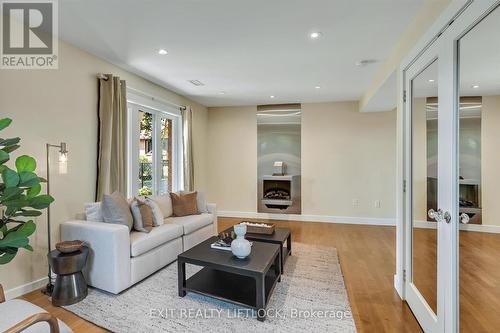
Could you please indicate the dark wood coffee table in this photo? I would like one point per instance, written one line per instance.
(280, 237)
(246, 282)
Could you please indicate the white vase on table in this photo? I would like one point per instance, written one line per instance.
(240, 247)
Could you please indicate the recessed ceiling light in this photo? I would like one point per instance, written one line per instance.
(364, 62)
(431, 80)
(162, 52)
(317, 87)
(272, 96)
(196, 82)
(222, 92)
(315, 35)
(475, 86)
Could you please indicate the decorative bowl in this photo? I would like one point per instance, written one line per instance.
(69, 246)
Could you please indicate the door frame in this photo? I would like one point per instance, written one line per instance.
(458, 19)
(430, 321)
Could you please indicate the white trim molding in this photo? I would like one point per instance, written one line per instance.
(25, 288)
(311, 218)
(494, 229)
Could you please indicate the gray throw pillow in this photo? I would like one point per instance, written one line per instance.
(116, 209)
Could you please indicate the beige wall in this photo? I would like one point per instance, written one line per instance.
(232, 162)
(61, 105)
(490, 159)
(346, 155)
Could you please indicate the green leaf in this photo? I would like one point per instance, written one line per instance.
(9, 142)
(29, 248)
(11, 210)
(4, 123)
(10, 178)
(5, 257)
(14, 239)
(25, 163)
(28, 228)
(41, 202)
(16, 203)
(10, 149)
(10, 193)
(28, 179)
(28, 213)
(4, 156)
(34, 191)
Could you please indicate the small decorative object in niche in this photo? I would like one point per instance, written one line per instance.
(240, 247)
(69, 246)
(279, 168)
(259, 228)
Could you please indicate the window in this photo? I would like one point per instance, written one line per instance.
(154, 153)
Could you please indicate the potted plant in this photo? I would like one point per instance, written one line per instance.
(20, 198)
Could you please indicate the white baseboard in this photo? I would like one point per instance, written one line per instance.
(311, 218)
(25, 288)
(398, 285)
(494, 229)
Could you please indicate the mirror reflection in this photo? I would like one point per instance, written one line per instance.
(424, 120)
(479, 181)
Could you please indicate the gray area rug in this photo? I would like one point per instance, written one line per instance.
(311, 297)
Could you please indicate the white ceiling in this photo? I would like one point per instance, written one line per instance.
(248, 49)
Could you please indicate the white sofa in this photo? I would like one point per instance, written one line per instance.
(118, 258)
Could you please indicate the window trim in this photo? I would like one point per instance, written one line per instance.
(135, 104)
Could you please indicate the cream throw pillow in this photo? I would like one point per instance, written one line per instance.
(165, 203)
(157, 214)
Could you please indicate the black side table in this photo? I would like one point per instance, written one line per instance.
(70, 286)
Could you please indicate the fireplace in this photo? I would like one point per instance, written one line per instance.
(278, 193)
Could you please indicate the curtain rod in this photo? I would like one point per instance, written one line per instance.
(144, 94)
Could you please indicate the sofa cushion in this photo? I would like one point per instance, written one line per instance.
(116, 209)
(93, 212)
(184, 204)
(201, 201)
(164, 202)
(143, 215)
(157, 213)
(141, 242)
(16, 310)
(191, 223)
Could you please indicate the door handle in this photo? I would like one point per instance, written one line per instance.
(433, 214)
(439, 215)
(464, 218)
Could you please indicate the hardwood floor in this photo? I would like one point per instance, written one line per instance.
(367, 258)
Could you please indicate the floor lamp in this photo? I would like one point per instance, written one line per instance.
(63, 159)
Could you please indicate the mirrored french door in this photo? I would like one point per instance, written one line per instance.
(428, 202)
(451, 163)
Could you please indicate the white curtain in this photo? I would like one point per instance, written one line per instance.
(187, 148)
